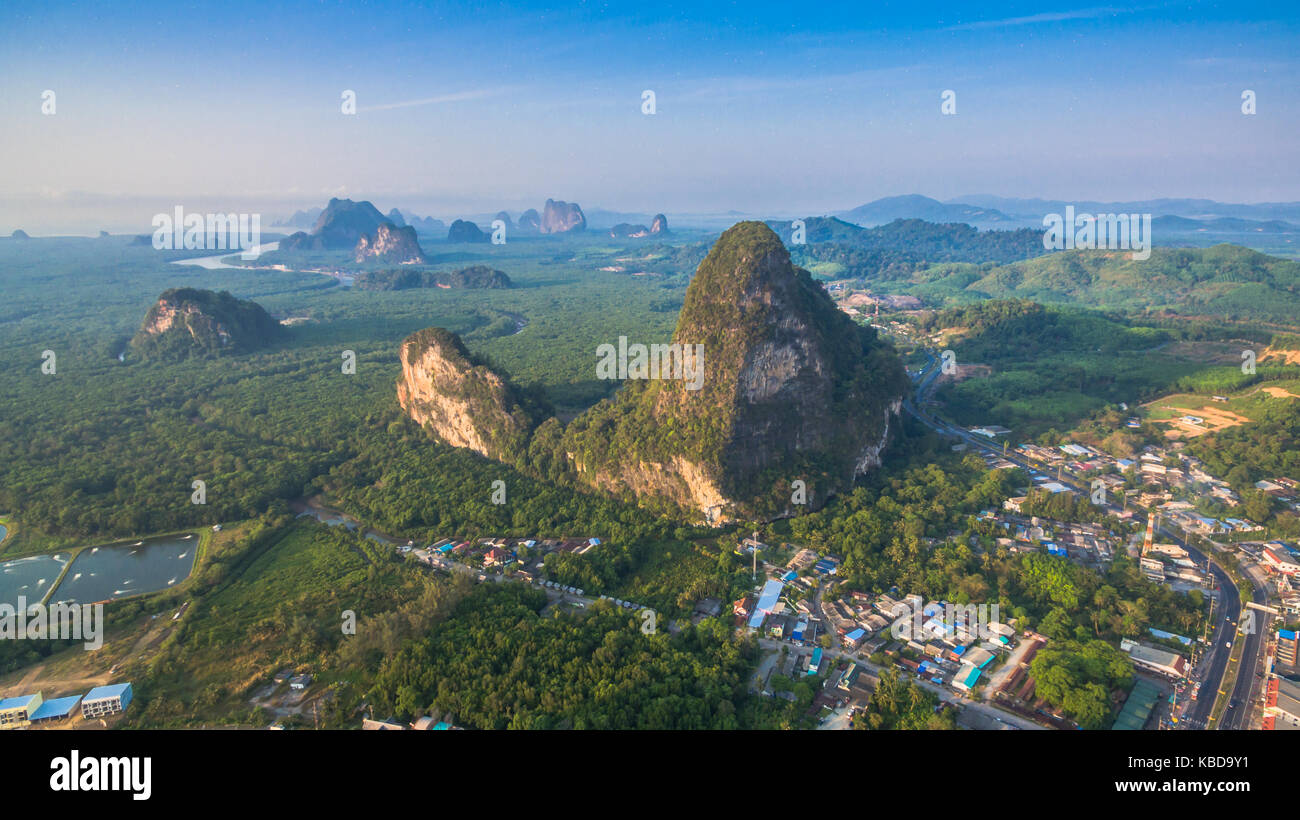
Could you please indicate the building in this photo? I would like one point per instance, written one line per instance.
(1286, 646)
(106, 700)
(17, 712)
(56, 709)
(1282, 703)
(767, 601)
(1155, 659)
(1280, 561)
(966, 678)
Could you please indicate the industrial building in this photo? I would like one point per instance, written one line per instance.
(106, 700)
(17, 712)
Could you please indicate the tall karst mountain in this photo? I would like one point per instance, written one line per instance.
(792, 390)
(562, 217)
(339, 227)
(788, 390)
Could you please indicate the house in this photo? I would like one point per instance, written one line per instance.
(106, 700)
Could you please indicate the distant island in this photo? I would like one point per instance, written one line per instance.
(476, 276)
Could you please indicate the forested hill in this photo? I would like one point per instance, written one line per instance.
(904, 245)
(190, 321)
(1223, 281)
(476, 276)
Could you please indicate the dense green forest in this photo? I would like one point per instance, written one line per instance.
(595, 670)
(103, 448)
(903, 247)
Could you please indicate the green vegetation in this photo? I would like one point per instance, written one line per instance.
(475, 276)
(190, 321)
(904, 247)
(1224, 281)
(581, 671)
(745, 302)
(278, 601)
(1080, 677)
(898, 703)
(1053, 367)
(914, 527)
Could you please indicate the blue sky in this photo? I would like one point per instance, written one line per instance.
(777, 108)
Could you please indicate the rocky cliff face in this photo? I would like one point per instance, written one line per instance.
(791, 390)
(189, 321)
(390, 244)
(659, 225)
(459, 399)
(562, 217)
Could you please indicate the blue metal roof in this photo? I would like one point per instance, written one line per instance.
(112, 691)
(59, 707)
(16, 703)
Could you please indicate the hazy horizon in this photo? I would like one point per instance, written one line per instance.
(464, 109)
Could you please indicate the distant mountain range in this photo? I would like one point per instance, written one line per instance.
(915, 206)
(1178, 216)
(1191, 208)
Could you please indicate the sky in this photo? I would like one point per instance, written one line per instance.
(779, 109)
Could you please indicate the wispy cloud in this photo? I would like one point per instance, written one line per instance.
(459, 96)
(1046, 17)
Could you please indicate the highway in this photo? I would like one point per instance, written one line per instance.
(1210, 670)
